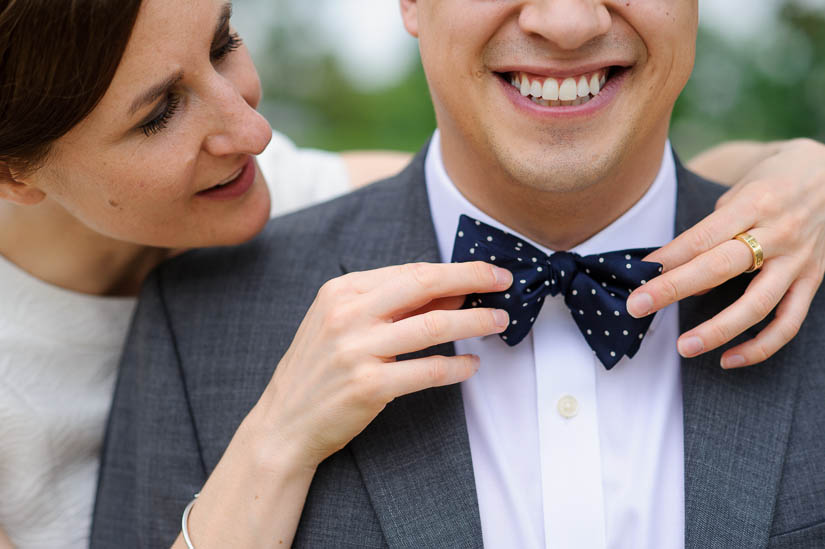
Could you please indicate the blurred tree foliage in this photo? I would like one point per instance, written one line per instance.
(311, 98)
(770, 87)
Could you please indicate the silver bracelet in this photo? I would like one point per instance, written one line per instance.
(184, 522)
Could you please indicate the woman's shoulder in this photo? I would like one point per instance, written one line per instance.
(58, 316)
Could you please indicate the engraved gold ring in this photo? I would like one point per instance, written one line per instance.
(755, 248)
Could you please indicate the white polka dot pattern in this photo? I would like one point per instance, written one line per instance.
(589, 284)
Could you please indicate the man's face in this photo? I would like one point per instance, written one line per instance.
(554, 94)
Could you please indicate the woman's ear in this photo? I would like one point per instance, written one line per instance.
(16, 191)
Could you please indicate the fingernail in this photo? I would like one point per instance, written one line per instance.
(691, 346)
(501, 318)
(733, 361)
(504, 277)
(639, 305)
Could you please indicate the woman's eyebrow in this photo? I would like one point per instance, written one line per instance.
(156, 91)
(223, 20)
(160, 89)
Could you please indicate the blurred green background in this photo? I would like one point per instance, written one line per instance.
(342, 75)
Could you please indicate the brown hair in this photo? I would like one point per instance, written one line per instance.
(57, 59)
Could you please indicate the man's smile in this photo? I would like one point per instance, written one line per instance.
(563, 93)
(556, 92)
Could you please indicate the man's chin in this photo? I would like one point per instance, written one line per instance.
(560, 173)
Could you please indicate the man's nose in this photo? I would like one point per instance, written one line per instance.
(569, 24)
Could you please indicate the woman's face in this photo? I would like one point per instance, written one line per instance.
(165, 158)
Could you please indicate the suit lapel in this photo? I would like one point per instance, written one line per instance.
(415, 457)
(736, 423)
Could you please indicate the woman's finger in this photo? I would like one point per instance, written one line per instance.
(729, 195)
(418, 284)
(710, 269)
(362, 282)
(442, 303)
(410, 376)
(760, 298)
(436, 327)
(789, 317)
(365, 281)
(716, 228)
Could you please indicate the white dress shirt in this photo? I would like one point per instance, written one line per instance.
(565, 453)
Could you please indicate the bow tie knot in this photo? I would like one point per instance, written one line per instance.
(563, 270)
(595, 287)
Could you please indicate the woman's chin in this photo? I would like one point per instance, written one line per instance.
(233, 227)
(240, 227)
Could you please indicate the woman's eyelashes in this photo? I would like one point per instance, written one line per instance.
(160, 121)
(231, 43)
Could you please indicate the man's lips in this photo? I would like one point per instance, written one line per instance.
(562, 93)
(562, 70)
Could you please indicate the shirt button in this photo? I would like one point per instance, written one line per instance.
(568, 406)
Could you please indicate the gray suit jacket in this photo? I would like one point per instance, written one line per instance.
(211, 326)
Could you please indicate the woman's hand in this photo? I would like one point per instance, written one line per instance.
(338, 374)
(341, 370)
(781, 203)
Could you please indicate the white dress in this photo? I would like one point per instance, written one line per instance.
(58, 359)
(299, 177)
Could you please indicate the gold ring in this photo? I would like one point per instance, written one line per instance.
(755, 248)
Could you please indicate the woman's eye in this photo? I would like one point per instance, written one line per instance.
(160, 121)
(233, 42)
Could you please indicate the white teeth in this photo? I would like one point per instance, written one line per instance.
(572, 90)
(595, 86)
(567, 90)
(525, 86)
(583, 88)
(551, 89)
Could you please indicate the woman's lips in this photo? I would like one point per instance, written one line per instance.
(235, 188)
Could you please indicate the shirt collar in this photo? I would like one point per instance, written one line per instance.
(648, 223)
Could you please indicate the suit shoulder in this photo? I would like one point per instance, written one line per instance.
(336, 217)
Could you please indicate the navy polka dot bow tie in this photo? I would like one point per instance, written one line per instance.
(595, 287)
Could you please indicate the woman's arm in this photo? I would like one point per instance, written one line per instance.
(365, 167)
(727, 163)
(337, 375)
(730, 162)
(5, 542)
